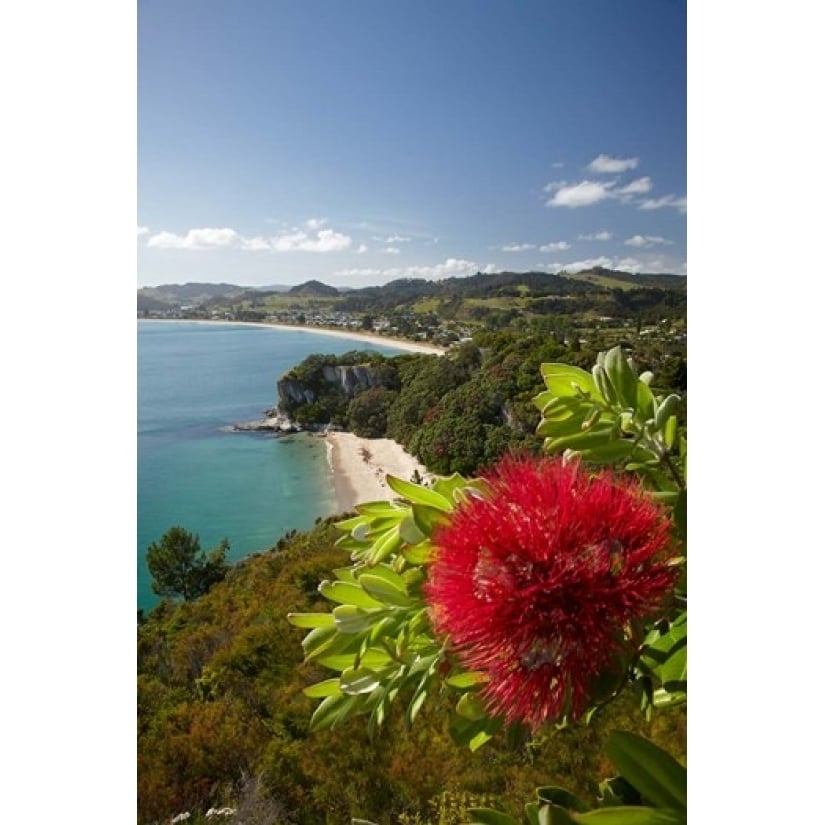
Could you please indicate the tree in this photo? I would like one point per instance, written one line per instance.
(179, 567)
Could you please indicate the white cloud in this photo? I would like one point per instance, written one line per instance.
(558, 246)
(206, 238)
(632, 265)
(398, 239)
(516, 247)
(451, 267)
(361, 249)
(608, 165)
(143, 230)
(256, 244)
(603, 235)
(557, 165)
(666, 200)
(585, 193)
(326, 240)
(313, 224)
(640, 186)
(645, 241)
(626, 264)
(577, 266)
(392, 250)
(295, 240)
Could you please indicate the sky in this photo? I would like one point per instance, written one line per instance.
(360, 142)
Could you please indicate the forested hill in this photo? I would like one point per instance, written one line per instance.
(406, 293)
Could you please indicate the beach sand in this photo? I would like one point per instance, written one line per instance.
(366, 337)
(360, 467)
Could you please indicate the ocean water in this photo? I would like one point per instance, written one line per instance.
(194, 379)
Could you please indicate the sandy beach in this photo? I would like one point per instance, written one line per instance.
(366, 337)
(360, 467)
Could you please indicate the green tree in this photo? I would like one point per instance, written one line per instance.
(179, 567)
(367, 412)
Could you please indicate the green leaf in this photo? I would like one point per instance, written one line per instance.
(560, 796)
(631, 815)
(351, 523)
(386, 574)
(319, 690)
(599, 436)
(645, 407)
(359, 680)
(471, 707)
(467, 679)
(667, 698)
(345, 574)
(387, 592)
(473, 734)
(657, 776)
(621, 376)
(318, 640)
(448, 486)
(531, 809)
(383, 509)
(664, 655)
(670, 431)
(310, 619)
(388, 544)
(350, 619)
(347, 593)
(373, 658)
(551, 815)
(427, 518)
(488, 816)
(564, 379)
(331, 711)
(416, 494)
(410, 532)
(418, 553)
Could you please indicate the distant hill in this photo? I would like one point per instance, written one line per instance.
(600, 276)
(174, 296)
(168, 296)
(407, 291)
(314, 289)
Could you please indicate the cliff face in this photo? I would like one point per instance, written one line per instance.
(350, 379)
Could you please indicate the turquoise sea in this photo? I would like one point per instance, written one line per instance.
(194, 379)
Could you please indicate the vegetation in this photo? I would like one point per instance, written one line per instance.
(180, 569)
(222, 720)
(463, 411)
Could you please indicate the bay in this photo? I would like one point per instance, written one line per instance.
(193, 379)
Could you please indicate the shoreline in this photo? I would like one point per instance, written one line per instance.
(360, 467)
(366, 337)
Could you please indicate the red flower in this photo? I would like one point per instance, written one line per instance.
(538, 583)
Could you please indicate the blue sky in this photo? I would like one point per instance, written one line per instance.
(364, 141)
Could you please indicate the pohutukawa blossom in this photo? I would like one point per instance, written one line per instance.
(538, 584)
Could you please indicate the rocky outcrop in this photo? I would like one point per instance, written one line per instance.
(351, 379)
(275, 422)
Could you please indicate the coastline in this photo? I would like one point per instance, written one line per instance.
(360, 467)
(366, 337)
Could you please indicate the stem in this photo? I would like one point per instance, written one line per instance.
(673, 471)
